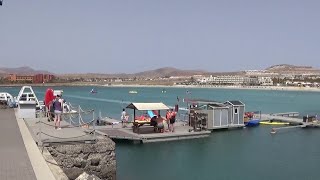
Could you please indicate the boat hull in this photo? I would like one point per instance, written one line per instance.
(273, 123)
(252, 123)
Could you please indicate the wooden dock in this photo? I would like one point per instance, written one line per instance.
(115, 131)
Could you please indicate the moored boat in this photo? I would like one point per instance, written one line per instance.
(7, 99)
(250, 120)
(133, 92)
(93, 91)
(28, 96)
(273, 123)
(252, 123)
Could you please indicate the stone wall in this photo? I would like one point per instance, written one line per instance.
(98, 158)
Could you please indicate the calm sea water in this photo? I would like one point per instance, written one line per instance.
(250, 153)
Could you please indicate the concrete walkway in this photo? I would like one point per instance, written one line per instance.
(14, 160)
(68, 133)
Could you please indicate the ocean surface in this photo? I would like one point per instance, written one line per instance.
(248, 154)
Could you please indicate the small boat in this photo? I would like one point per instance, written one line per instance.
(27, 95)
(133, 92)
(249, 120)
(274, 123)
(7, 99)
(252, 123)
(163, 91)
(93, 91)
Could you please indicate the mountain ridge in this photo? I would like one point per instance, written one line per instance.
(160, 72)
(23, 70)
(155, 73)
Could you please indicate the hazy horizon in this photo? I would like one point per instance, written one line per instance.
(65, 73)
(126, 36)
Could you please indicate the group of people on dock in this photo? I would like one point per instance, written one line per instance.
(160, 124)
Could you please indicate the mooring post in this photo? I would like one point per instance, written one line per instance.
(260, 115)
(94, 126)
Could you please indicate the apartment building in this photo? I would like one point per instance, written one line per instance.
(39, 78)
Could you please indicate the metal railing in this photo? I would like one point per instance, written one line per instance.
(71, 117)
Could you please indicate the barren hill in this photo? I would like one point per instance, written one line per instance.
(25, 70)
(169, 71)
(161, 72)
(287, 68)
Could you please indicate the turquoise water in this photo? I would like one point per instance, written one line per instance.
(250, 153)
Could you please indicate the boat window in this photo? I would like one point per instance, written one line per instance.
(23, 97)
(236, 111)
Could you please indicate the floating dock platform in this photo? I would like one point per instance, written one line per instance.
(147, 134)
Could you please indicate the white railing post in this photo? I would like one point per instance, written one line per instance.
(79, 114)
(40, 132)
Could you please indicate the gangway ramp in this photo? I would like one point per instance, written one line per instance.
(282, 118)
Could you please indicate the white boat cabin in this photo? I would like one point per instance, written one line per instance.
(26, 95)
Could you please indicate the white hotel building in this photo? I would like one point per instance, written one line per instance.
(236, 80)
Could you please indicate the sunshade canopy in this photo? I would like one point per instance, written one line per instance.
(147, 106)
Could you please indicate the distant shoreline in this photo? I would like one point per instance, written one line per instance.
(274, 88)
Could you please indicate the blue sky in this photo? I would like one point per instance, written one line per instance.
(104, 36)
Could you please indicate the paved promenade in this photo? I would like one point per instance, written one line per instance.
(14, 160)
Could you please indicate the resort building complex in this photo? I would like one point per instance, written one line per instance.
(38, 78)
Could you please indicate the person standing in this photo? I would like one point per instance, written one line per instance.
(57, 105)
(124, 118)
(168, 116)
(51, 111)
(172, 120)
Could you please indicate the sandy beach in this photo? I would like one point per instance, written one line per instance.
(272, 88)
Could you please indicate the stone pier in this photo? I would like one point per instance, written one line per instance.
(95, 158)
